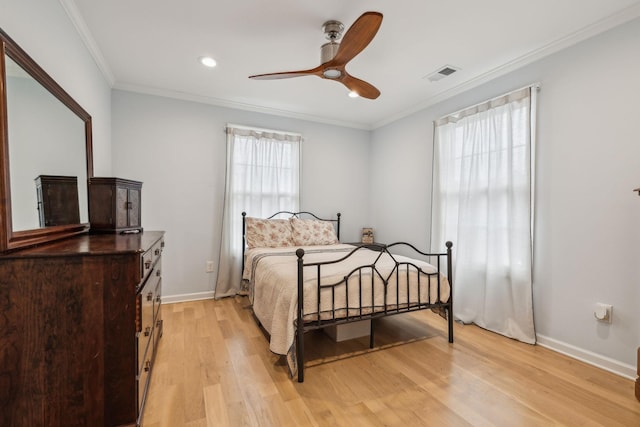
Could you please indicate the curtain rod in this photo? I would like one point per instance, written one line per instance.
(535, 86)
(231, 125)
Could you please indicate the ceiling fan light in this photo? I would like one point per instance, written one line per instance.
(353, 94)
(208, 61)
(332, 73)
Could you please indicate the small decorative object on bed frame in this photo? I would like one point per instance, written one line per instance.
(300, 278)
(367, 235)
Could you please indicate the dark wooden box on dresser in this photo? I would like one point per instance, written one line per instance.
(80, 321)
(115, 205)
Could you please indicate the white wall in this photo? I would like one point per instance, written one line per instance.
(177, 149)
(45, 32)
(587, 236)
(401, 182)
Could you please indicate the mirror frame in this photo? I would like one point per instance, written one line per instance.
(9, 239)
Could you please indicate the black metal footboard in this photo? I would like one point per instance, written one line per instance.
(390, 284)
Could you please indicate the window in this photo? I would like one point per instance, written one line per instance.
(482, 201)
(264, 172)
(263, 177)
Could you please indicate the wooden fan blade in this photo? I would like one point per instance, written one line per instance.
(357, 37)
(362, 88)
(287, 74)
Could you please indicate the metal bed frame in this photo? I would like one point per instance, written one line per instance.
(329, 318)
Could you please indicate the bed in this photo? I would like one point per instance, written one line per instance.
(301, 278)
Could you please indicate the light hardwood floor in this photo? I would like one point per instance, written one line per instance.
(214, 368)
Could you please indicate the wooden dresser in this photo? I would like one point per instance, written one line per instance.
(637, 190)
(638, 378)
(80, 320)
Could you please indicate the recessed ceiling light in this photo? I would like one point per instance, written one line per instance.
(353, 94)
(207, 61)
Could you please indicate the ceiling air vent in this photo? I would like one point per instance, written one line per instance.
(443, 72)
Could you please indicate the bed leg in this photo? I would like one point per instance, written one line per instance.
(449, 245)
(300, 355)
(371, 332)
(300, 321)
(450, 322)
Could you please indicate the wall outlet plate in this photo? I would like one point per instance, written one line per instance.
(603, 312)
(209, 266)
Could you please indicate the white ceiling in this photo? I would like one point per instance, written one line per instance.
(152, 46)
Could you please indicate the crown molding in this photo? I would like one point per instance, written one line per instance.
(76, 18)
(238, 105)
(605, 24)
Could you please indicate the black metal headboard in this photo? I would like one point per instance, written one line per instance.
(288, 214)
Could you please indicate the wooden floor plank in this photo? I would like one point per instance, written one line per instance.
(214, 368)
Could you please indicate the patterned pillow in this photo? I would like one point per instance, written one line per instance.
(267, 233)
(309, 232)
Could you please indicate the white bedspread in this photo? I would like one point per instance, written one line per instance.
(272, 276)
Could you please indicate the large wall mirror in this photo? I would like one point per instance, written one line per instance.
(45, 144)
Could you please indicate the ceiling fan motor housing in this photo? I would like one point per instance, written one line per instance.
(332, 31)
(328, 51)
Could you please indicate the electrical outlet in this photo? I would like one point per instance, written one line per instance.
(209, 266)
(603, 312)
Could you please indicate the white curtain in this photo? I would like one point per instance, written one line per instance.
(483, 202)
(262, 178)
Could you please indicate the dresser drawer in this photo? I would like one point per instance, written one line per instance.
(146, 264)
(157, 292)
(143, 340)
(157, 333)
(142, 382)
(149, 258)
(146, 309)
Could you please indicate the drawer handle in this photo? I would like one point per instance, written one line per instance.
(128, 205)
(157, 251)
(147, 366)
(158, 323)
(158, 299)
(147, 331)
(162, 244)
(158, 273)
(150, 296)
(147, 264)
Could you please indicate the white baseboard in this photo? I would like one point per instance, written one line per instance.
(170, 299)
(602, 362)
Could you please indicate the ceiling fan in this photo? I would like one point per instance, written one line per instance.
(335, 56)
